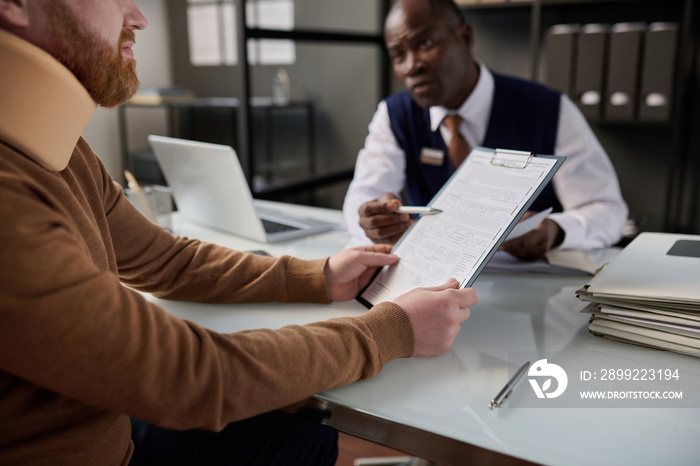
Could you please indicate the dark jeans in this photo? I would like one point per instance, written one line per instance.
(274, 438)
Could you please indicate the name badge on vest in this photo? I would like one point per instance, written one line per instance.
(430, 156)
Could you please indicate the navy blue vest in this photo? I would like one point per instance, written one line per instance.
(524, 116)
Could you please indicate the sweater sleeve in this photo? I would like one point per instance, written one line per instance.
(72, 328)
(152, 260)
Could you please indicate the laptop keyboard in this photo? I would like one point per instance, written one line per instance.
(274, 227)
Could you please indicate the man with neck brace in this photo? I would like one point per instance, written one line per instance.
(80, 353)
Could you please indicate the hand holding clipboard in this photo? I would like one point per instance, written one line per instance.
(481, 204)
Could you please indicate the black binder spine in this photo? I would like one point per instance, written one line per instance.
(560, 57)
(658, 71)
(590, 69)
(624, 60)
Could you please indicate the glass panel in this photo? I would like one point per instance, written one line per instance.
(204, 35)
(212, 36)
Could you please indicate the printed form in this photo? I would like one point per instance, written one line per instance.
(481, 204)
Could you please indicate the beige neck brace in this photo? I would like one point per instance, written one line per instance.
(44, 106)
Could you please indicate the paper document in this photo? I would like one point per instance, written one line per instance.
(526, 226)
(481, 204)
(590, 261)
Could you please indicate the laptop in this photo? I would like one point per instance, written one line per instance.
(210, 189)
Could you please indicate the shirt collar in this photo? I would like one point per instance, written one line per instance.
(476, 108)
(44, 106)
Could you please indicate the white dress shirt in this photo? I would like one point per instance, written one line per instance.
(586, 184)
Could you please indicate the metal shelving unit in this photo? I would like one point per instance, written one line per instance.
(245, 127)
(681, 212)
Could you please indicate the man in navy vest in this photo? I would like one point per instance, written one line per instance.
(430, 46)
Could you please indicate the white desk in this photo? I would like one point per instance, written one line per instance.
(437, 408)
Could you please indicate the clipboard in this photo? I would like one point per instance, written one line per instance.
(481, 203)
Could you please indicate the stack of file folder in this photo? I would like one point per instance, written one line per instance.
(649, 294)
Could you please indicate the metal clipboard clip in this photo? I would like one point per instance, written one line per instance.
(494, 158)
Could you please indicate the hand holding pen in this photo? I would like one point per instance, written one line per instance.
(381, 220)
(385, 220)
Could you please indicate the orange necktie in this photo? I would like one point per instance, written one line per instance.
(459, 148)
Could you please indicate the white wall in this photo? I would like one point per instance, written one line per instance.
(153, 67)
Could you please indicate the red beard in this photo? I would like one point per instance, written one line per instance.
(108, 76)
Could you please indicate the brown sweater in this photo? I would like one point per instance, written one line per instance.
(80, 352)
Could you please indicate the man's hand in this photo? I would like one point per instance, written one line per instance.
(535, 244)
(349, 271)
(436, 315)
(381, 222)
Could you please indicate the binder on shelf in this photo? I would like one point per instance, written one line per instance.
(560, 56)
(623, 70)
(590, 69)
(658, 70)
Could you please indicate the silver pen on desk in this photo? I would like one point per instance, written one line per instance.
(409, 209)
(505, 392)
